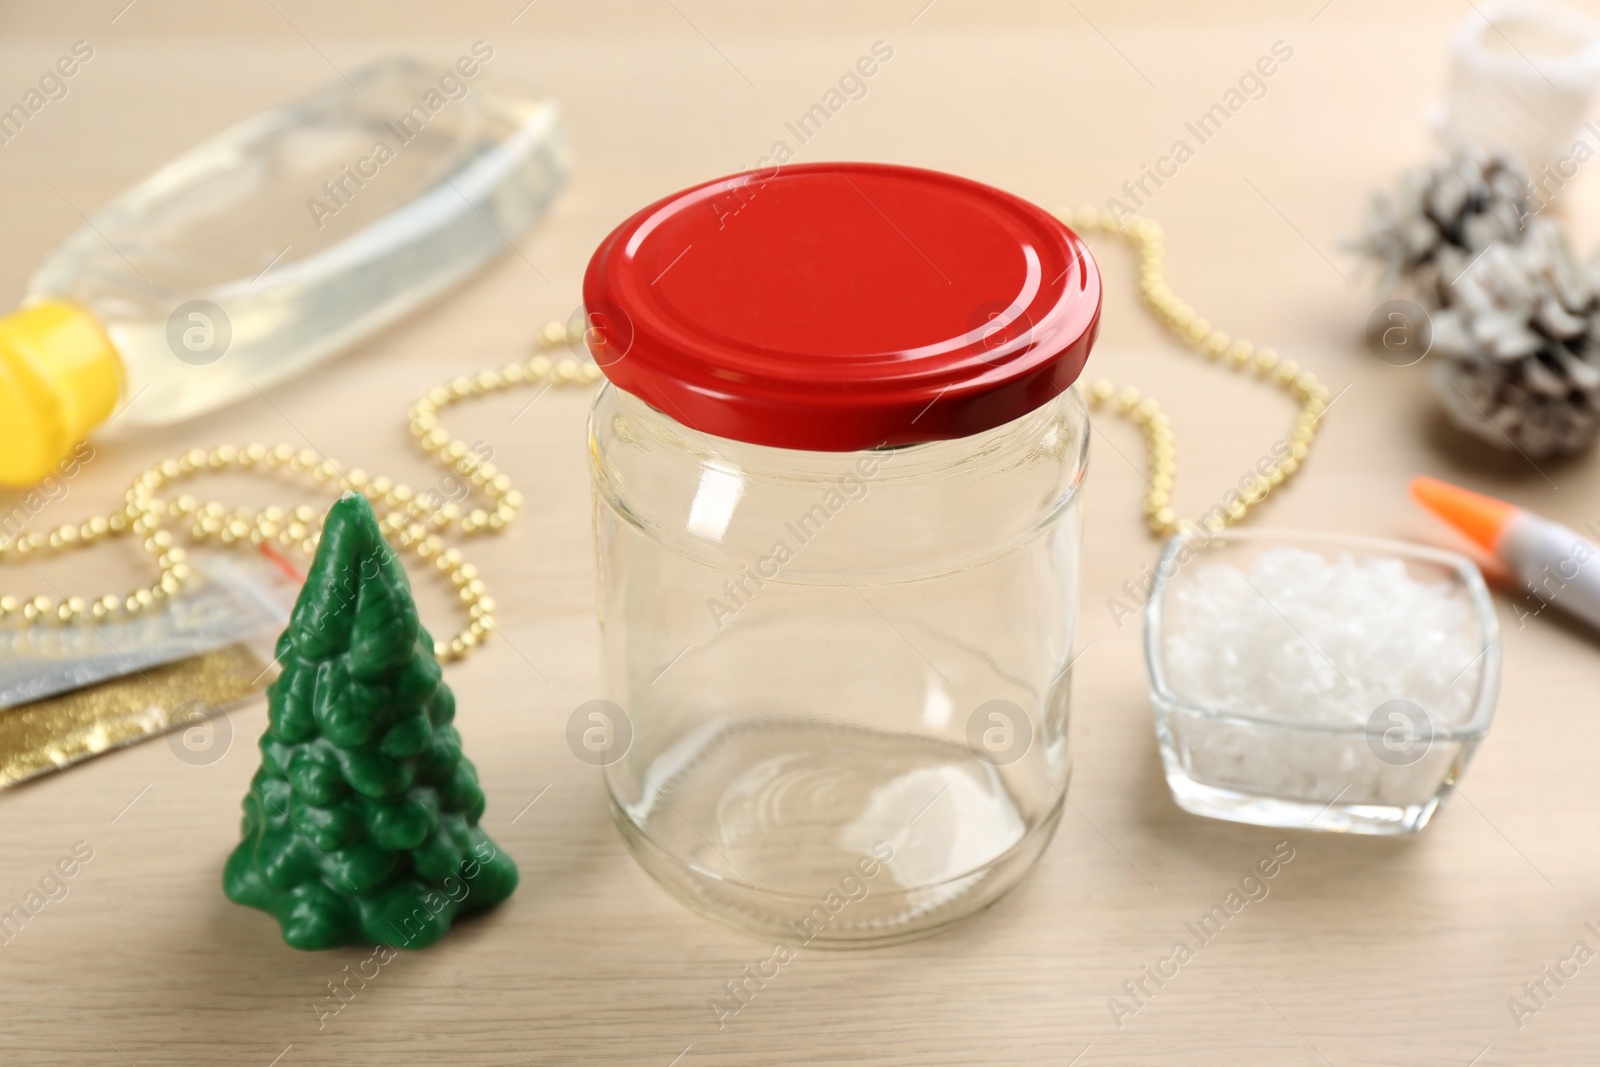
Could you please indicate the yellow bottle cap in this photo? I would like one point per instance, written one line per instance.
(59, 378)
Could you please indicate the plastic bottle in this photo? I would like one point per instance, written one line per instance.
(270, 248)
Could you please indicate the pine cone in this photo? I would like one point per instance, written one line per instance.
(1441, 216)
(1520, 343)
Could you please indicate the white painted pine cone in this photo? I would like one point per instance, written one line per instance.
(1518, 346)
(1440, 216)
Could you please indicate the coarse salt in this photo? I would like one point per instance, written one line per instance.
(1307, 639)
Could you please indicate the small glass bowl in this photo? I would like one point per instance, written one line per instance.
(1387, 776)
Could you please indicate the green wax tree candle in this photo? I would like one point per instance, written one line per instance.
(362, 822)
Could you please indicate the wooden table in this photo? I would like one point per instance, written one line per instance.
(1366, 952)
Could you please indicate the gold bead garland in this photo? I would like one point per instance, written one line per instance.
(410, 524)
(406, 519)
(1179, 318)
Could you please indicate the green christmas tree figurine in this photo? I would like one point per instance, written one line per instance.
(362, 823)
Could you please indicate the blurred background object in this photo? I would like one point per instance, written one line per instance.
(221, 252)
(1503, 299)
(1522, 77)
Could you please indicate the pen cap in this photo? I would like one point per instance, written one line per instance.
(1481, 518)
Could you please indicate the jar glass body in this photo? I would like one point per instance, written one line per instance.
(842, 677)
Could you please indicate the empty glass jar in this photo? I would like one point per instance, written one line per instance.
(837, 471)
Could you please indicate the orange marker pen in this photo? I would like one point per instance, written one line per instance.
(1558, 565)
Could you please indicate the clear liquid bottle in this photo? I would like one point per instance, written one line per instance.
(270, 248)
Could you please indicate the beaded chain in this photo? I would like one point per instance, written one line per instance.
(411, 524)
(1179, 318)
(408, 520)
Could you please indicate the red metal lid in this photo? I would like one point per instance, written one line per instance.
(842, 306)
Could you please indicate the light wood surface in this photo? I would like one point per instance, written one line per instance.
(1366, 952)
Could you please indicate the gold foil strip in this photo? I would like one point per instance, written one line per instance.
(54, 733)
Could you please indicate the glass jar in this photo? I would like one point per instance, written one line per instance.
(838, 610)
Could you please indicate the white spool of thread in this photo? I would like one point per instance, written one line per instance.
(1522, 78)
